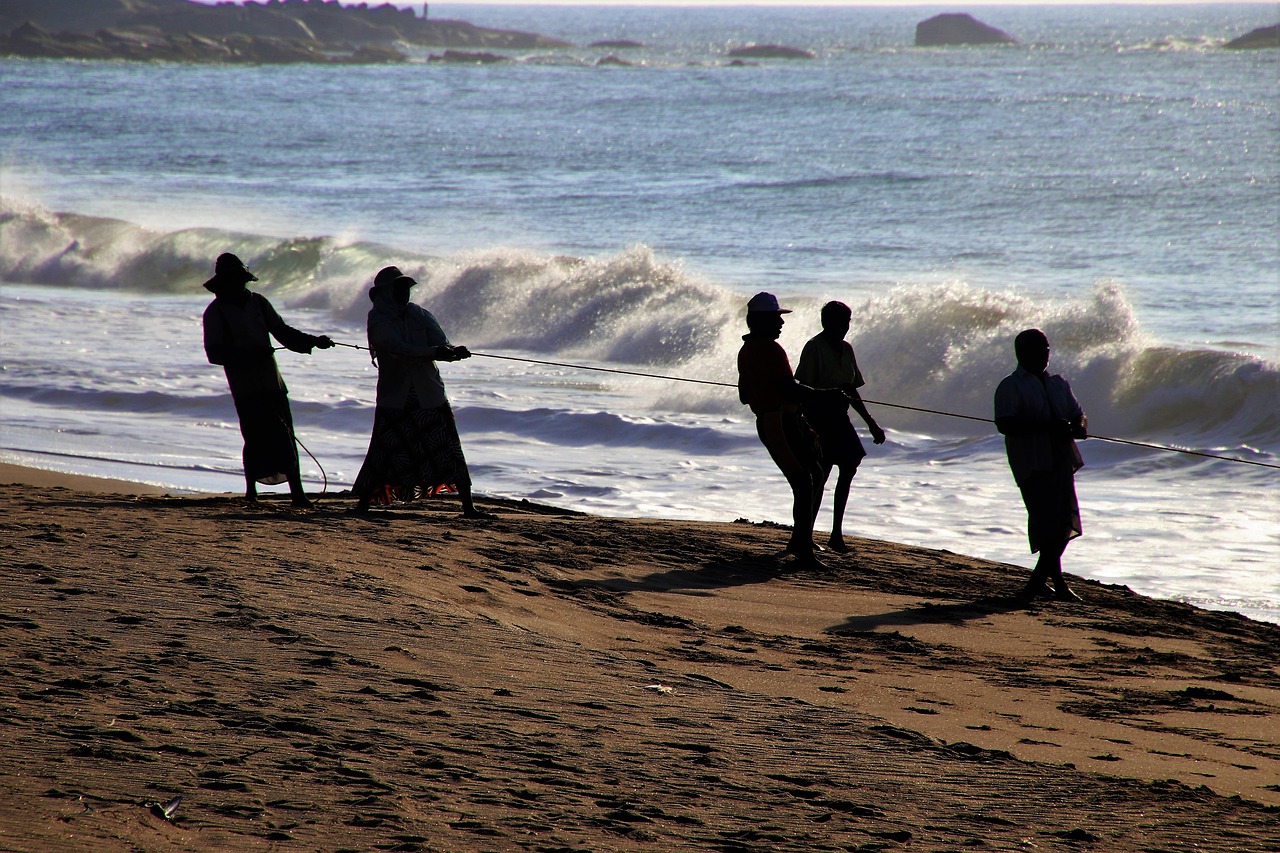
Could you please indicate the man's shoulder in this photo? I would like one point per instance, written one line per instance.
(1012, 382)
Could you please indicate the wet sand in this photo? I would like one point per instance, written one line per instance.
(196, 673)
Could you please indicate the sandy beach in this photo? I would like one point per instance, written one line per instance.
(197, 673)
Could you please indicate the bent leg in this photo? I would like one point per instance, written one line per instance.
(770, 428)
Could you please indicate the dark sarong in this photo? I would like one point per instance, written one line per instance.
(839, 441)
(1053, 513)
(413, 452)
(793, 448)
(266, 424)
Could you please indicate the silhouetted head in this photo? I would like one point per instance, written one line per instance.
(400, 286)
(764, 315)
(1032, 349)
(835, 319)
(385, 276)
(229, 274)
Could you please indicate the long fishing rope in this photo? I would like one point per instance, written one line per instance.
(1127, 441)
(324, 489)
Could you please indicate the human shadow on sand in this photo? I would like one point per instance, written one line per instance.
(930, 614)
(713, 575)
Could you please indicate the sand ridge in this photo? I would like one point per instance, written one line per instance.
(547, 681)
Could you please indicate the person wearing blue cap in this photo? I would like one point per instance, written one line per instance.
(238, 327)
(767, 385)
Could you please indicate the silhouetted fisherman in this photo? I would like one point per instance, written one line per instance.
(766, 384)
(415, 448)
(238, 326)
(827, 362)
(1040, 420)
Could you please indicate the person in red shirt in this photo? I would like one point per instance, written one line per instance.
(767, 385)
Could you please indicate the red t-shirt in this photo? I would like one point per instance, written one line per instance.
(764, 375)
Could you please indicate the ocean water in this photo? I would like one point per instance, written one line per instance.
(1114, 179)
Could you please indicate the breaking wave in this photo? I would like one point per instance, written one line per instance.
(939, 347)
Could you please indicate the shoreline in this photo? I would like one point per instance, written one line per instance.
(44, 478)
(410, 678)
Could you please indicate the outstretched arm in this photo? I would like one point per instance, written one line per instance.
(290, 337)
(855, 400)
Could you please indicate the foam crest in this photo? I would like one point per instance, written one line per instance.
(629, 307)
(947, 347)
(38, 246)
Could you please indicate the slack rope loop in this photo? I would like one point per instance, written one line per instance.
(325, 488)
(1163, 447)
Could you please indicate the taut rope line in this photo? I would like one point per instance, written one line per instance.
(1163, 447)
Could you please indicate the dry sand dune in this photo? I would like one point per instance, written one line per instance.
(200, 674)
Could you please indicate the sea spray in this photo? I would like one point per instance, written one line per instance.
(941, 346)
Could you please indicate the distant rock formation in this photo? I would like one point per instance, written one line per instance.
(29, 40)
(1262, 37)
(274, 31)
(617, 44)
(463, 57)
(611, 59)
(954, 29)
(770, 51)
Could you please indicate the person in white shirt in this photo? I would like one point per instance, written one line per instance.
(828, 362)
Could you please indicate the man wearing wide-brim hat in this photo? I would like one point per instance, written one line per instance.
(767, 385)
(238, 327)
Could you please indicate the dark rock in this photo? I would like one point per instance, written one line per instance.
(1262, 37)
(616, 44)
(277, 31)
(953, 29)
(372, 54)
(613, 60)
(463, 57)
(151, 44)
(770, 51)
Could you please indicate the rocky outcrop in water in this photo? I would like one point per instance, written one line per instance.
(275, 31)
(769, 51)
(958, 29)
(149, 44)
(617, 44)
(1262, 37)
(466, 57)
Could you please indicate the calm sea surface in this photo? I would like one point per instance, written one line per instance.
(1113, 179)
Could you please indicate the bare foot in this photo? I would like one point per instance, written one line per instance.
(477, 514)
(1064, 593)
(807, 561)
(838, 545)
(1031, 592)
